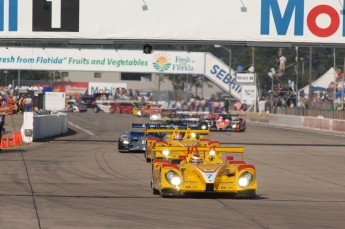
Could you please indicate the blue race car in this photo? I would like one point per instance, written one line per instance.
(135, 141)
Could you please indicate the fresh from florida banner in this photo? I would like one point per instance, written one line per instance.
(101, 60)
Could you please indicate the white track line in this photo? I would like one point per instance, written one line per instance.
(87, 131)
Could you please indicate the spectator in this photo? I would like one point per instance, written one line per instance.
(251, 69)
(238, 105)
(2, 123)
(282, 62)
(262, 105)
(240, 68)
(226, 104)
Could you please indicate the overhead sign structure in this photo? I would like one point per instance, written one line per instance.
(102, 60)
(300, 21)
(218, 73)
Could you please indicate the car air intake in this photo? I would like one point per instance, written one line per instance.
(209, 187)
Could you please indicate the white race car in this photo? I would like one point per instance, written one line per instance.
(103, 106)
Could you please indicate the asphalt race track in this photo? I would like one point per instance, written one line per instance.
(81, 181)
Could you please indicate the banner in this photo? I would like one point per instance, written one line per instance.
(71, 89)
(101, 60)
(31, 86)
(291, 21)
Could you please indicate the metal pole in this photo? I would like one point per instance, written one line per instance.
(257, 91)
(230, 59)
(202, 87)
(297, 94)
(18, 82)
(229, 73)
(335, 82)
(310, 69)
(342, 92)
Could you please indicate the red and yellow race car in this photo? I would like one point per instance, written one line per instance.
(202, 170)
(125, 107)
(175, 137)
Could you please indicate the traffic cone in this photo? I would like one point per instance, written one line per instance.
(14, 139)
(19, 137)
(2, 144)
(7, 142)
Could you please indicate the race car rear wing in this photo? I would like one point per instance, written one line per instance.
(183, 151)
(157, 126)
(176, 130)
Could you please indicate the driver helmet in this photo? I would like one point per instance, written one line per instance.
(178, 136)
(195, 159)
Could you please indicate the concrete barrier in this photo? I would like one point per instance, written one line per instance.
(304, 122)
(37, 126)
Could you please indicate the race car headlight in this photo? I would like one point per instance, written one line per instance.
(212, 152)
(194, 135)
(234, 125)
(173, 178)
(125, 142)
(154, 117)
(139, 113)
(245, 179)
(165, 152)
(204, 127)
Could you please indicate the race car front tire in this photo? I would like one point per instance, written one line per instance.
(154, 190)
(247, 194)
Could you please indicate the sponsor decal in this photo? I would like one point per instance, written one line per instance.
(162, 62)
(300, 17)
(223, 76)
(12, 18)
(183, 64)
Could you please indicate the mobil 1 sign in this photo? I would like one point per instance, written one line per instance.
(245, 77)
(55, 15)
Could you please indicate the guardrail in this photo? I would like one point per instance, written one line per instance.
(331, 114)
(36, 126)
(304, 122)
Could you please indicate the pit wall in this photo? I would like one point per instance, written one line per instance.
(305, 122)
(37, 127)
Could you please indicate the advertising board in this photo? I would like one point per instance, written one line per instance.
(306, 21)
(69, 59)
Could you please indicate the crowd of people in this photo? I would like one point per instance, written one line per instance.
(14, 103)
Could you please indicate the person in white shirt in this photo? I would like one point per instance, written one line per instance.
(282, 61)
(251, 69)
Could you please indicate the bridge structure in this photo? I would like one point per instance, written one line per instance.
(265, 23)
(104, 60)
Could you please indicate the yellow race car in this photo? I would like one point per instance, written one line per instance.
(177, 138)
(137, 110)
(202, 170)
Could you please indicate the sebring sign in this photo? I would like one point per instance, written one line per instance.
(289, 21)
